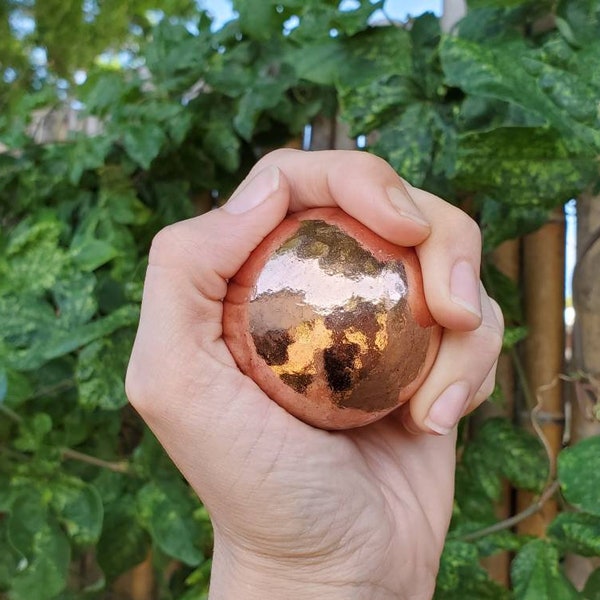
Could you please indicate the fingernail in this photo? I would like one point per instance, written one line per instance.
(255, 192)
(448, 408)
(464, 287)
(403, 203)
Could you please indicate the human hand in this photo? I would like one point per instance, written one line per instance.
(299, 512)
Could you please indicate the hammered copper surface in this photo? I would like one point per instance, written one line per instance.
(329, 319)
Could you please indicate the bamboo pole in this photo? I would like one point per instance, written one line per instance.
(323, 133)
(138, 583)
(507, 259)
(330, 133)
(584, 392)
(543, 285)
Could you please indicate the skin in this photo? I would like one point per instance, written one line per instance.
(299, 512)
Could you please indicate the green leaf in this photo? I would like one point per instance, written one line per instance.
(523, 166)
(222, 143)
(89, 253)
(376, 80)
(199, 582)
(461, 576)
(79, 509)
(505, 291)
(351, 21)
(267, 92)
(512, 336)
(536, 574)
(74, 298)
(85, 153)
(591, 591)
(35, 258)
(58, 342)
(28, 516)
(565, 29)
(259, 18)
(118, 199)
(143, 142)
(151, 460)
(3, 383)
(579, 474)
(100, 372)
(167, 507)
(175, 56)
(576, 532)
(582, 18)
(483, 467)
(19, 388)
(46, 571)
(425, 35)
(32, 432)
(412, 157)
(477, 4)
(554, 81)
(103, 91)
(501, 221)
(124, 543)
(320, 62)
(8, 559)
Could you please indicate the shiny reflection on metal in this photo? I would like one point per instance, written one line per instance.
(330, 320)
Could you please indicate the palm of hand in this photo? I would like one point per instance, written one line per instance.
(299, 494)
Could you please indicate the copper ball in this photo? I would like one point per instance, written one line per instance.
(330, 320)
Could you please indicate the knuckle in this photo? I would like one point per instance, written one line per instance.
(487, 388)
(136, 389)
(490, 339)
(165, 246)
(463, 227)
(366, 161)
(145, 387)
(471, 230)
(498, 313)
(275, 157)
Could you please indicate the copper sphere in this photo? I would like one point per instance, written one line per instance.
(330, 320)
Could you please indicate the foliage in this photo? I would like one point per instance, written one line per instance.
(500, 118)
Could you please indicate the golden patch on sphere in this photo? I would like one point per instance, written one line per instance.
(330, 320)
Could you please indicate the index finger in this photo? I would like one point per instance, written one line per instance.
(447, 241)
(361, 184)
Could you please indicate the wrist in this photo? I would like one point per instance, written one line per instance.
(237, 573)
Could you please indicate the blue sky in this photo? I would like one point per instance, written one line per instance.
(398, 9)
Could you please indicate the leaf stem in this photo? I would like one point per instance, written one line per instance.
(116, 467)
(522, 377)
(69, 453)
(532, 509)
(65, 384)
(10, 413)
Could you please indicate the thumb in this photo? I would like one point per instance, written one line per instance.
(211, 248)
(186, 280)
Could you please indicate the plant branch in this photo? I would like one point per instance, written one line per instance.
(13, 453)
(117, 467)
(522, 377)
(69, 453)
(532, 509)
(65, 384)
(10, 413)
